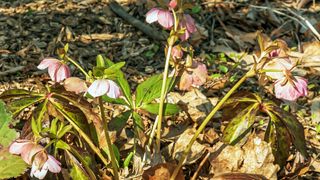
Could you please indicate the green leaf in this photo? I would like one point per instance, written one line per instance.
(34, 128)
(7, 135)
(114, 68)
(151, 89)
(127, 161)
(114, 101)
(214, 76)
(125, 88)
(280, 139)
(240, 123)
(14, 93)
(169, 109)
(17, 105)
(149, 54)
(223, 68)
(63, 131)
(11, 166)
(119, 122)
(293, 126)
(137, 122)
(196, 9)
(77, 172)
(100, 61)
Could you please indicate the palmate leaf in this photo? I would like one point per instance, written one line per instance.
(240, 124)
(7, 135)
(11, 166)
(293, 126)
(17, 105)
(15, 93)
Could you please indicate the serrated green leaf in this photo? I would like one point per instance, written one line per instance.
(240, 123)
(11, 166)
(7, 135)
(63, 131)
(114, 68)
(169, 109)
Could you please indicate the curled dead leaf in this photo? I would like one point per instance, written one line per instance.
(162, 172)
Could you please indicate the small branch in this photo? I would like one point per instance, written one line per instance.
(154, 34)
(12, 70)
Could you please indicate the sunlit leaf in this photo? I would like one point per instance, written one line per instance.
(118, 123)
(17, 105)
(169, 109)
(15, 93)
(7, 135)
(240, 123)
(11, 166)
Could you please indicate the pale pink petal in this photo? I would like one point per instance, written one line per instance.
(289, 91)
(114, 90)
(176, 53)
(62, 73)
(17, 147)
(75, 84)
(52, 70)
(173, 4)
(53, 164)
(152, 15)
(199, 74)
(29, 151)
(99, 88)
(38, 173)
(185, 81)
(185, 36)
(190, 23)
(274, 53)
(279, 64)
(45, 63)
(165, 19)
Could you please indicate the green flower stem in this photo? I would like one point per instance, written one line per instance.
(83, 134)
(106, 132)
(163, 96)
(208, 118)
(78, 66)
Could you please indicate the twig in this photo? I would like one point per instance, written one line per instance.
(195, 175)
(154, 34)
(12, 70)
(313, 30)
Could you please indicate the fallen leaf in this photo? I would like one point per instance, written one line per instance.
(162, 172)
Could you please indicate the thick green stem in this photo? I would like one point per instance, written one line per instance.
(78, 66)
(163, 96)
(106, 132)
(208, 118)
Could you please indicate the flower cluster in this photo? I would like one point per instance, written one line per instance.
(166, 19)
(286, 86)
(35, 155)
(59, 71)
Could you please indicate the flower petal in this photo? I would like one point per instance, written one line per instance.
(18, 146)
(53, 164)
(280, 64)
(152, 15)
(38, 173)
(62, 73)
(173, 4)
(190, 23)
(99, 88)
(165, 19)
(199, 74)
(185, 81)
(177, 53)
(75, 84)
(291, 92)
(29, 151)
(45, 63)
(52, 70)
(114, 90)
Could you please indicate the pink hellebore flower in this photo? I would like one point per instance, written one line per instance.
(291, 89)
(75, 84)
(35, 155)
(104, 86)
(279, 64)
(58, 71)
(176, 52)
(195, 76)
(188, 23)
(164, 17)
(42, 163)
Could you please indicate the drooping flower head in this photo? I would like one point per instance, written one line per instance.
(75, 84)
(176, 52)
(35, 155)
(277, 67)
(163, 17)
(188, 24)
(58, 71)
(291, 88)
(104, 86)
(194, 76)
